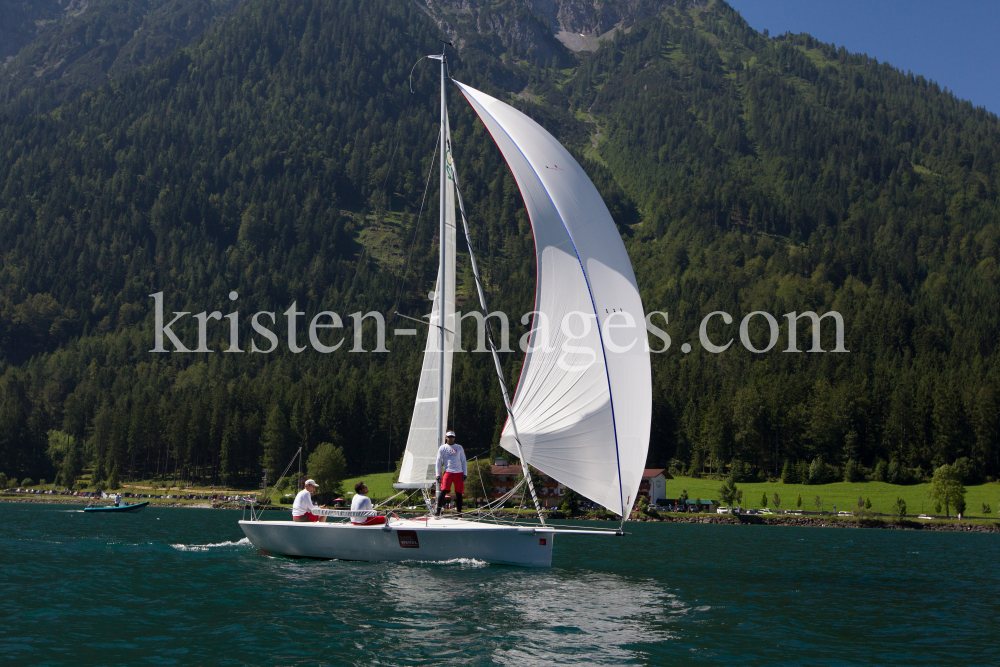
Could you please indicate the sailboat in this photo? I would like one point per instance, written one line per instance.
(582, 408)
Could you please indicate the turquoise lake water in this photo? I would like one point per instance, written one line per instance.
(175, 586)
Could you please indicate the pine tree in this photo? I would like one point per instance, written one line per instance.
(113, 483)
(276, 441)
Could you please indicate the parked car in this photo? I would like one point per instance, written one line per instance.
(722, 510)
(844, 514)
(767, 511)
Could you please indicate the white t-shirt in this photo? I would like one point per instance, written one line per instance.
(303, 503)
(360, 502)
(451, 458)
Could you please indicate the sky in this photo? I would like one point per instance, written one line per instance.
(953, 42)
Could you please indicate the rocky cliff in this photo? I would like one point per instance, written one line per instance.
(539, 30)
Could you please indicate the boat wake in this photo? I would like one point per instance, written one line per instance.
(469, 562)
(206, 547)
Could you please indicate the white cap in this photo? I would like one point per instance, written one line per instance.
(449, 434)
(311, 481)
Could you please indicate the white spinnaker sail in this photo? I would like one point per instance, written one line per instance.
(584, 401)
(422, 442)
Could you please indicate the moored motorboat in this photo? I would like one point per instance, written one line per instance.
(134, 507)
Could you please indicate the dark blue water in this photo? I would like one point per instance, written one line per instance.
(180, 587)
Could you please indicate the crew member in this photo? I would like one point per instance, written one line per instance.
(450, 469)
(362, 502)
(303, 505)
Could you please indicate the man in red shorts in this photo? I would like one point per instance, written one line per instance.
(303, 505)
(451, 469)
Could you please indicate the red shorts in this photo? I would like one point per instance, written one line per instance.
(308, 516)
(450, 478)
(371, 521)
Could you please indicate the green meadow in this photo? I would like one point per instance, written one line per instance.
(842, 495)
(379, 486)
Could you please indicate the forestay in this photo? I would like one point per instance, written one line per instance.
(584, 400)
(422, 443)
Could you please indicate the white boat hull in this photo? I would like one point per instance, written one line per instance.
(404, 539)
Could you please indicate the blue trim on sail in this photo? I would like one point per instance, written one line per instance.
(586, 279)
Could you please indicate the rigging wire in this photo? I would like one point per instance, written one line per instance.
(493, 348)
(416, 225)
(399, 294)
(392, 366)
(423, 200)
(274, 487)
(388, 172)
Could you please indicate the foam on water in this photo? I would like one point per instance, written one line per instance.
(471, 562)
(206, 547)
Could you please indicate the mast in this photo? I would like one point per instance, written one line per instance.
(493, 349)
(430, 408)
(441, 255)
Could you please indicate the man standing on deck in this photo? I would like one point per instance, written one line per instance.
(450, 469)
(303, 505)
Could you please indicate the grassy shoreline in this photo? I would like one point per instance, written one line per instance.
(842, 495)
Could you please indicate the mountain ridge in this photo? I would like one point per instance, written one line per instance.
(745, 173)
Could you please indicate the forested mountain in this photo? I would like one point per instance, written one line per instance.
(56, 49)
(282, 156)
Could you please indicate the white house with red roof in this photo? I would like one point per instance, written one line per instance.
(654, 484)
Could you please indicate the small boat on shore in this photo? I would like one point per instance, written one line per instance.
(134, 507)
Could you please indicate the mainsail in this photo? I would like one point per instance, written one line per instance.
(584, 400)
(422, 443)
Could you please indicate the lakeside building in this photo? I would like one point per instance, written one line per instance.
(654, 485)
(690, 505)
(505, 477)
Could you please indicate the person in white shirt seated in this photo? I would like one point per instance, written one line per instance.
(303, 505)
(362, 502)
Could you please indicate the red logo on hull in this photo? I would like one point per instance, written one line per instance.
(408, 539)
